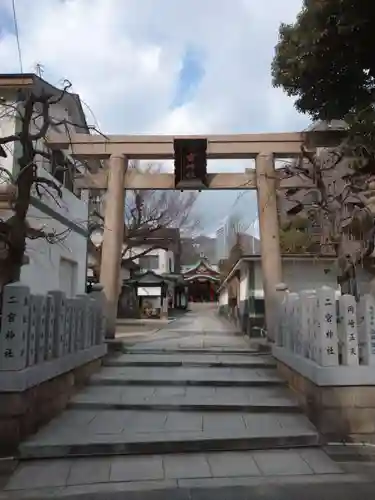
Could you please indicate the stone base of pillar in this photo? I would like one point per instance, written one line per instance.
(164, 309)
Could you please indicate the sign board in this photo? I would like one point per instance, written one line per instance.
(190, 163)
(149, 291)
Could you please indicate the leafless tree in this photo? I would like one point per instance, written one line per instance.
(33, 111)
(147, 214)
(33, 108)
(337, 199)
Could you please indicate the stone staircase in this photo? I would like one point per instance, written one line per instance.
(169, 401)
(188, 407)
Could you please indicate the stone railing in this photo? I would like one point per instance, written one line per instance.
(330, 332)
(36, 329)
(49, 347)
(325, 349)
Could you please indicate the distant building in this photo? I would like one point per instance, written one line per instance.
(220, 244)
(226, 236)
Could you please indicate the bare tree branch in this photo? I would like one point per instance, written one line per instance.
(339, 202)
(34, 111)
(147, 214)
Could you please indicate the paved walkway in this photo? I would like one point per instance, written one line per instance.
(189, 407)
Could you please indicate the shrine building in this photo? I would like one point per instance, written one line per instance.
(203, 281)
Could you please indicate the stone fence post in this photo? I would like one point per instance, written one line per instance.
(36, 328)
(281, 293)
(326, 327)
(348, 333)
(366, 329)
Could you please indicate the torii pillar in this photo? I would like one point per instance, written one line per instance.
(113, 238)
(269, 238)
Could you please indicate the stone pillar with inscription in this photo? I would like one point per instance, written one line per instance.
(348, 330)
(68, 324)
(40, 304)
(59, 300)
(164, 308)
(326, 327)
(32, 337)
(50, 327)
(86, 320)
(14, 327)
(73, 325)
(307, 319)
(366, 328)
(98, 295)
(282, 292)
(293, 320)
(80, 334)
(312, 324)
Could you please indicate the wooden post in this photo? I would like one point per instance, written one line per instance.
(269, 238)
(113, 239)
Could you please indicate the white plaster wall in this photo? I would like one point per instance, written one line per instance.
(244, 282)
(7, 127)
(43, 271)
(164, 256)
(223, 297)
(299, 275)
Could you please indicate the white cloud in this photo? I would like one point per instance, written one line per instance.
(124, 58)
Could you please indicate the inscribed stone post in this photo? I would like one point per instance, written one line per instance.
(59, 299)
(288, 322)
(97, 322)
(348, 330)
(282, 290)
(73, 325)
(50, 326)
(79, 341)
(366, 329)
(326, 327)
(31, 344)
(86, 320)
(307, 298)
(67, 324)
(14, 327)
(40, 304)
(283, 332)
(293, 319)
(297, 326)
(92, 320)
(99, 327)
(313, 326)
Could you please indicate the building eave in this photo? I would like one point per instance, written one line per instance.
(201, 276)
(285, 257)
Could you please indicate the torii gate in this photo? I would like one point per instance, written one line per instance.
(119, 149)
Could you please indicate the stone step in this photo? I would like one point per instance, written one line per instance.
(189, 350)
(175, 360)
(120, 432)
(98, 477)
(193, 376)
(169, 398)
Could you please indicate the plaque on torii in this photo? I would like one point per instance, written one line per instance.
(190, 163)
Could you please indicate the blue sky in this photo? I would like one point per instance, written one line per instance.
(189, 77)
(163, 66)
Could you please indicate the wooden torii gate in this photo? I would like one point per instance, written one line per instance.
(119, 149)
